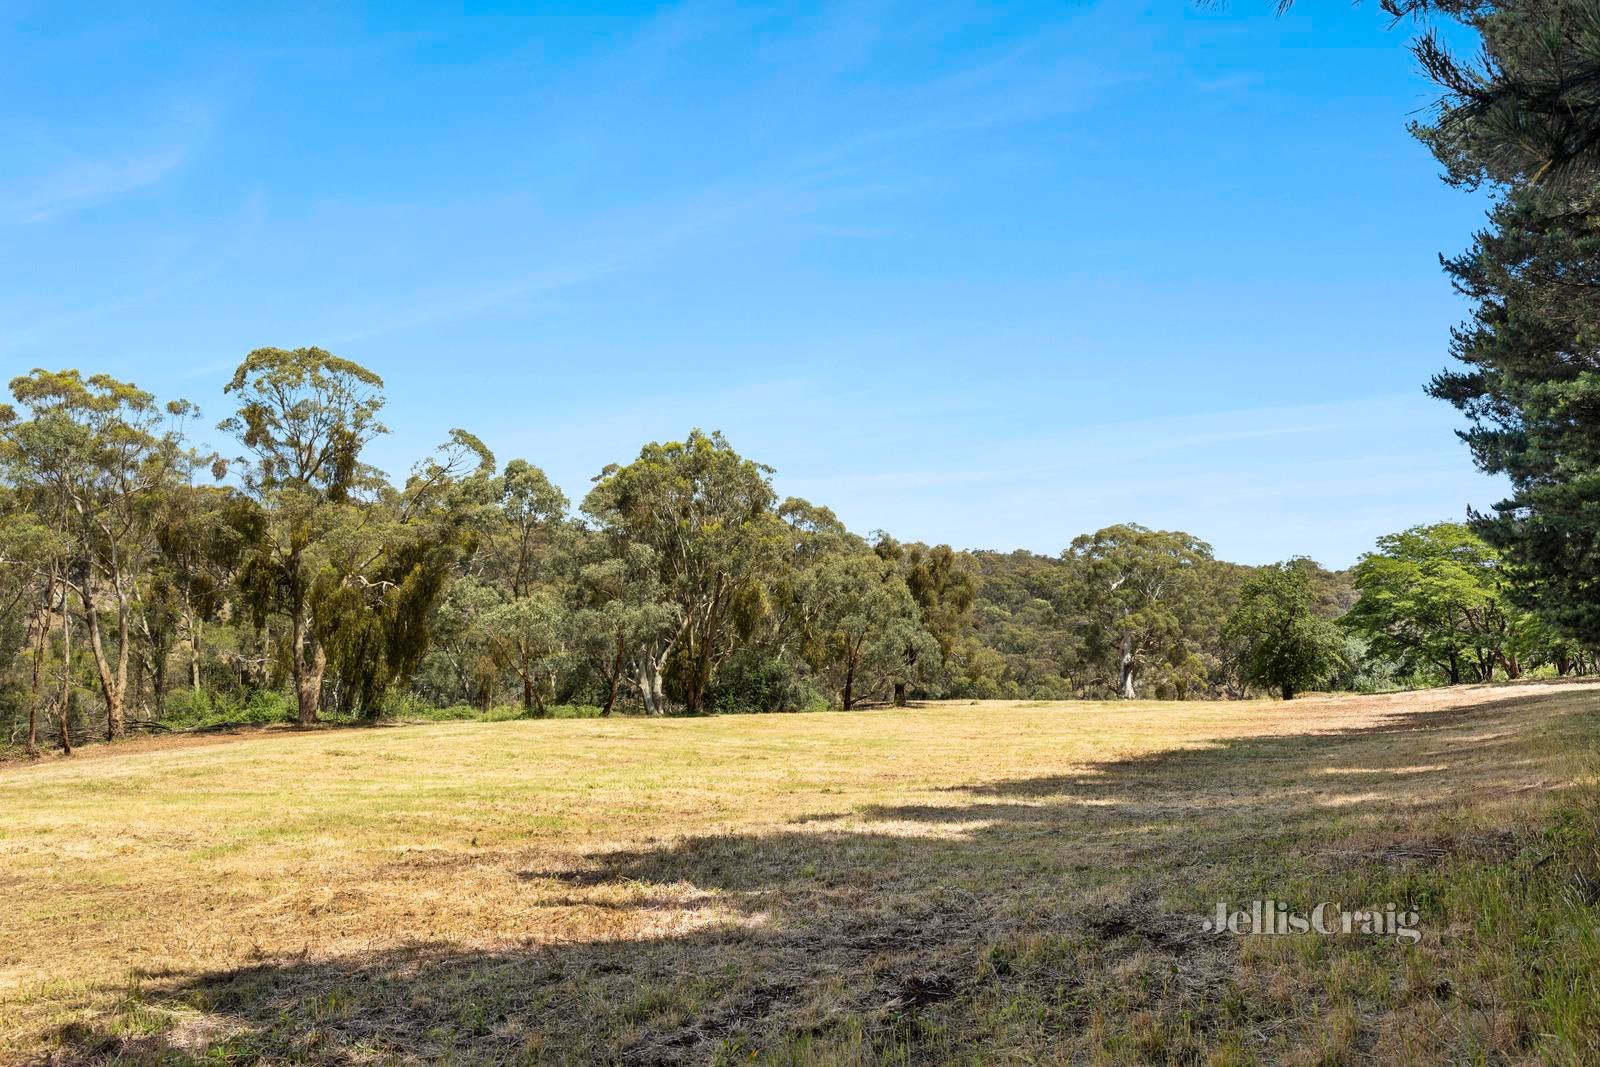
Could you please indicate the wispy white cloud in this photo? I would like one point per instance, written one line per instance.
(1019, 86)
(622, 241)
(87, 183)
(66, 170)
(1232, 83)
(174, 272)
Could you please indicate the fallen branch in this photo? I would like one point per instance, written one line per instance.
(153, 725)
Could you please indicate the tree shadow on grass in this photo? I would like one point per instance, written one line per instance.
(908, 930)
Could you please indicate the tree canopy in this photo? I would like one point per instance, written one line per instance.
(1282, 642)
(303, 574)
(1523, 118)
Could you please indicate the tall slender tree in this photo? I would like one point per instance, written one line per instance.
(97, 455)
(304, 417)
(1523, 118)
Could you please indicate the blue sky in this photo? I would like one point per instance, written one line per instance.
(986, 274)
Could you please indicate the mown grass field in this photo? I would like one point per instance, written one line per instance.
(965, 883)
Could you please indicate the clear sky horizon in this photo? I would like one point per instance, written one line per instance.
(986, 275)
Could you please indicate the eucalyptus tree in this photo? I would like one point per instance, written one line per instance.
(863, 621)
(810, 535)
(525, 540)
(619, 607)
(386, 571)
(1218, 654)
(460, 666)
(95, 456)
(34, 548)
(942, 584)
(1128, 587)
(706, 515)
(523, 560)
(529, 636)
(813, 532)
(304, 417)
(30, 555)
(200, 531)
(1023, 618)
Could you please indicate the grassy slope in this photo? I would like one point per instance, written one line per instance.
(960, 883)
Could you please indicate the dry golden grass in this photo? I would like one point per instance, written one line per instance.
(990, 882)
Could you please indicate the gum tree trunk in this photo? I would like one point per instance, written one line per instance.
(113, 679)
(194, 653)
(40, 645)
(307, 672)
(64, 704)
(648, 679)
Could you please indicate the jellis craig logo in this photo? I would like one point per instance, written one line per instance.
(1329, 917)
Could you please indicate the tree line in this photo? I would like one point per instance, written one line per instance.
(142, 575)
(138, 575)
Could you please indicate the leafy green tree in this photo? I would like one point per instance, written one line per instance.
(460, 665)
(1434, 597)
(1285, 645)
(1128, 588)
(31, 555)
(199, 532)
(525, 557)
(620, 609)
(387, 570)
(1216, 665)
(530, 513)
(96, 455)
(864, 621)
(944, 588)
(809, 536)
(1531, 642)
(814, 532)
(756, 679)
(1023, 616)
(706, 515)
(304, 417)
(529, 635)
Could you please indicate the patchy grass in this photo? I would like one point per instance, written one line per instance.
(982, 883)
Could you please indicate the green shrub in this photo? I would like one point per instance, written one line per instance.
(413, 710)
(572, 711)
(190, 708)
(416, 709)
(755, 681)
